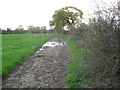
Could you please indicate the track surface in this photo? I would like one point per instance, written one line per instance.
(47, 69)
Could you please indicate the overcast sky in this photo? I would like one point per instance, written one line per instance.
(37, 12)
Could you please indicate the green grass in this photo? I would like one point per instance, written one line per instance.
(75, 52)
(17, 47)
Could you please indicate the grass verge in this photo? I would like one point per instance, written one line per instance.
(76, 52)
(17, 47)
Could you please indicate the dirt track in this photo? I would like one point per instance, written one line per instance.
(47, 69)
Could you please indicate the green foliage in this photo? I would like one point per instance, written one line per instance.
(66, 16)
(17, 47)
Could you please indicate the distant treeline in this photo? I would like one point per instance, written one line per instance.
(21, 30)
(24, 31)
(17, 31)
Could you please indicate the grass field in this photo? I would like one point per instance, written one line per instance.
(75, 53)
(17, 47)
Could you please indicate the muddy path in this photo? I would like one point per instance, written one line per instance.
(46, 69)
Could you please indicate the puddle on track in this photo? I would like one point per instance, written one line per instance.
(51, 44)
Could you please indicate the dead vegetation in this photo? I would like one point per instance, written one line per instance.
(101, 67)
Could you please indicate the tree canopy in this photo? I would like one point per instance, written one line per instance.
(66, 16)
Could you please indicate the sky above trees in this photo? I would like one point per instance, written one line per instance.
(38, 12)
